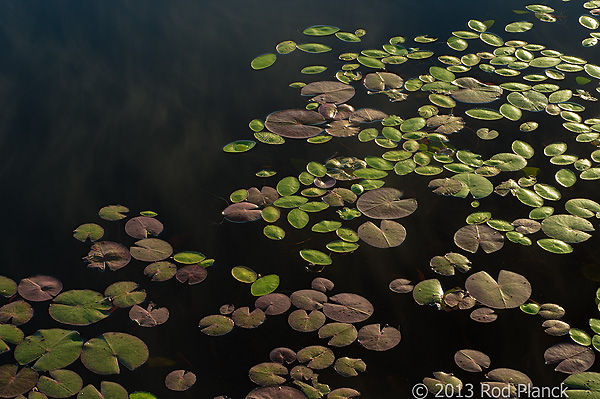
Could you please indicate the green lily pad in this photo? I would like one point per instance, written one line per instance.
(590, 174)
(216, 325)
(582, 207)
(297, 218)
(567, 228)
(263, 61)
(315, 257)
(113, 212)
(17, 313)
(151, 250)
(520, 26)
(389, 234)
(428, 292)
(484, 114)
(50, 349)
(267, 374)
(108, 390)
(122, 294)
(320, 30)
(79, 307)
(529, 100)
(189, 257)
(565, 177)
(274, 232)
(239, 146)
(102, 355)
(339, 334)
(301, 321)
(60, 384)
(9, 334)
(555, 246)
(90, 231)
(265, 285)
(317, 357)
(477, 185)
(583, 385)
(473, 91)
(160, 271)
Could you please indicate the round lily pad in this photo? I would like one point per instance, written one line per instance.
(511, 290)
(50, 349)
(471, 360)
(149, 317)
(90, 231)
(180, 380)
(385, 203)
(160, 271)
(268, 374)
(375, 338)
(389, 234)
(103, 355)
(348, 308)
(242, 317)
(192, 274)
(216, 325)
(317, 357)
(339, 334)
(151, 250)
(299, 320)
(263, 61)
(472, 237)
(123, 294)
(15, 382)
(39, 288)
(315, 257)
(265, 285)
(109, 254)
(79, 307)
(60, 384)
(113, 212)
(571, 358)
(273, 304)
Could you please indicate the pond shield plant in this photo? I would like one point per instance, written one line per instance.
(478, 83)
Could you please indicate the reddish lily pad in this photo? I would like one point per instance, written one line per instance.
(389, 234)
(15, 382)
(282, 355)
(192, 274)
(384, 203)
(180, 380)
(150, 316)
(109, 254)
(471, 360)
(241, 212)
(276, 392)
(273, 304)
(474, 236)
(348, 308)
(483, 315)
(375, 338)
(143, 226)
(571, 358)
(295, 123)
(308, 299)
(328, 92)
(151, 250)
(216, 325)
(322, 284)
(401, 286)
(242, 317)
(39, 288)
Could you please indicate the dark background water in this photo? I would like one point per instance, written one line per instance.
(130, 102)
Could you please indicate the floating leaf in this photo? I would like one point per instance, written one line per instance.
(239, 146)
(180, 380)
(113, 212)
(401, 286)
(375, 338)
(299, 320)
(384, 203)
(511, 290)
(242, 317)
(263, 61)
(294, 123)
(50, 349)
(320, 30)
(471, 360)
(273, 304)
(484, 114)
(471, 237)
(571, 358)
(483, 315)
(109, 254)
(62, 384)
(313, 47)
(348, 308)
(216, 325)
(102, 355)
(108, 390)
(582, 207)
(143, 226)
(149, 317)
(340, 334)
(17, 313)
(265, 285)
(267, 374)
(318, 357)
(151, 250)
(90, 231)
(123, 294)
(521, 26)
(473, 91)
(39, 288)
(327, 92)
(79, 307)
(276, 392)
(389, 234)
(160, 271)
(315, 257)
(428, 292)
(348, 367)
(567, 228)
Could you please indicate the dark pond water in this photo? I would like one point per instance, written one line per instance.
(131, 102)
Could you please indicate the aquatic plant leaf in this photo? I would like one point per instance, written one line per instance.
(473, 91)
(39, 288)
(282, 355)
(315, 257)
(142, 226)
(471, 360)
(379, 81)
(242, 212)
(320, 30)
(239, 146)
(590, 174)
(349, 367)
(60, 384)
(428, 292)
(520, 26)
(151, 250)
(79, 307)
(15, 382)
(267, 195)
(571, 358)
(276, 392)
(113, 212)
(565, 177)
(123, 294)
(556, 327)
(555, 246)
(365, 115)
(50, 349)
(9, 334)
(90, 231)
(343, 393)
(446, 124)
(318, 357)
(446, 186)
(146, 395)
(567, 228)
(160, 271)
(483, 315)
(273, 304)
(582, 207)
(102, 355)
(401, 286)
(389, 234)
(216, 325)
(242, 317)
(263, 61)
(340, 334)
(108, 390)
(313, 47)
(511, 290)
(347, 37)
(472, 237)
(442, 382)
(445, 265)
(295, 123)
(322, 284)
(484, 114)
(348, 308)
(267, 374)
(189, 257)
(109, 254)
(384, 203)
(8, 287)
(580, 336)
(375, 338)
(17, 313)
(265, 285)
(149, 317)
(180, 380)
(370, 62)
(308, 299)
(301, 321)
(328, 92)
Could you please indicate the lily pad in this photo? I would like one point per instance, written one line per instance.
(79, 307)
(317, 357)
(315, 257)
(151, 250)
(339, 334)
(511, 290)
(389, 234)
(327, 92)
(301, 321)
(582, 207)
(108, 390)
(90, 231)
(268, 374)
(239, 146)
(471, 237)
(276, 392)
(113, 212)
(60, 384)
(571, 358)
(263, 61)
(273, 304)
(384, 203)
(50, 349)
(265, 285)
(428, 292)
(17, 313)
(180, 380)
(375, 338)
(567, 228)
(192, 274)
(39, 288)
(143, 226)
(473, 91)
(295, 123)
(320, 30)
(472, 360)
(242, 317)
(123, 294)
(102, 355)
(216, 325)
(109, 254)
(348, 308)
(149, 317)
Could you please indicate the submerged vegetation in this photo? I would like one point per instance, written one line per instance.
(478, 81)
